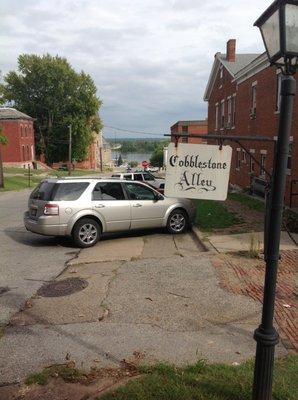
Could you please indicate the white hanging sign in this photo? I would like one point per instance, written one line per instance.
(198, 171)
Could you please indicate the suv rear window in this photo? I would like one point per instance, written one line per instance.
(69, 191)
(43, 191)
(48, 191)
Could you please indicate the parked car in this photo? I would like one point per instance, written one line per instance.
(85, 208)
(143, 176)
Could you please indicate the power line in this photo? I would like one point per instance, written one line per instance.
(132, 131)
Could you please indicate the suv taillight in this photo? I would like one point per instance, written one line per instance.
(51, 209)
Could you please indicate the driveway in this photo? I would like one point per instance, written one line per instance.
(146, 297)
(27, 260)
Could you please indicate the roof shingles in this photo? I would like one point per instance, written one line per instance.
(12, 113)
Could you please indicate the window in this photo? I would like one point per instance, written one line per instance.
(229, 104)
(216, 116)
(185, 132)
(148, 177)
(222, 114)
(253, 109)
(233, 106)
(127, 177)
(138, 177)
(108, 191)
(251, 165)
(278, 88)
(21, 127)
(289, 163)
(139, 192)
(263, 164)
(238, 158)
(244, 157)
(28, 152)
(43, 191)
(23, 153)
(221, 72)
(69, 191)
(26, 133)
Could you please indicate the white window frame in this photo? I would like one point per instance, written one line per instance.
(229, 111)
(238, 159)
(222, 114)
(253, 108)
(252, 162)
(233, 111)
(263, 164)
(290, 156)
(216, 116)
(244, 160)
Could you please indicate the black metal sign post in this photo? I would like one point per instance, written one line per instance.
(266, 335)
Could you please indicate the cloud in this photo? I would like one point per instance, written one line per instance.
(150, 59)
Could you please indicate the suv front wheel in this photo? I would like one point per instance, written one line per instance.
(177, 221)
(86, 232)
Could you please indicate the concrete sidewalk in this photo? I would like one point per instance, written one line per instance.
(242, 242)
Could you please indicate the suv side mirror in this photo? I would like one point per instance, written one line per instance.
(158, 197)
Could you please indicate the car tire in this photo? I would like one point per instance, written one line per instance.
(177, 222)
(86, 232)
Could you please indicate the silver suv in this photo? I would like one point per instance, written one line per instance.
(86, 208)
(142, 176)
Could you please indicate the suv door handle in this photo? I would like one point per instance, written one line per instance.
(137, 205)
(99, 206)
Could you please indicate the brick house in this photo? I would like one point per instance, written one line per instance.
(243, 95)
(190, 127)
(19, 130)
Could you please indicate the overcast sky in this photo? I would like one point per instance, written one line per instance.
(150, 59)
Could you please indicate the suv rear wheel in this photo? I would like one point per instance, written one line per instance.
(86, 232)
(177, 221)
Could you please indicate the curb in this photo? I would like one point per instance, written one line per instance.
(204, 241)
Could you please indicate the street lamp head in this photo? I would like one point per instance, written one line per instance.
(279, 29)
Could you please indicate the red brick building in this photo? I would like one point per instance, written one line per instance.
(189, 127)
(243, 94)
(19, 130)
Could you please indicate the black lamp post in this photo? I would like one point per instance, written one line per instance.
(279, 28)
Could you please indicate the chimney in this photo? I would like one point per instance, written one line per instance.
(231, 50)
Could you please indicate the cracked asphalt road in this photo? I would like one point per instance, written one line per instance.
(148, 294)
(27, 260)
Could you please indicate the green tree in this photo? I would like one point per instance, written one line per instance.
(3, 141)
(51, 91)
(120, 161)
(156, 160)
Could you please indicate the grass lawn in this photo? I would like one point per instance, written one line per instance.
(20, 179)
(214, 215)
(253, 204)
(207, 382)
(19, 182)
(77, 172)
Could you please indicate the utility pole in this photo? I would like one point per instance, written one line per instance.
(69, 150)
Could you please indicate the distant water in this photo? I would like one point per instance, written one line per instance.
(128, 157)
